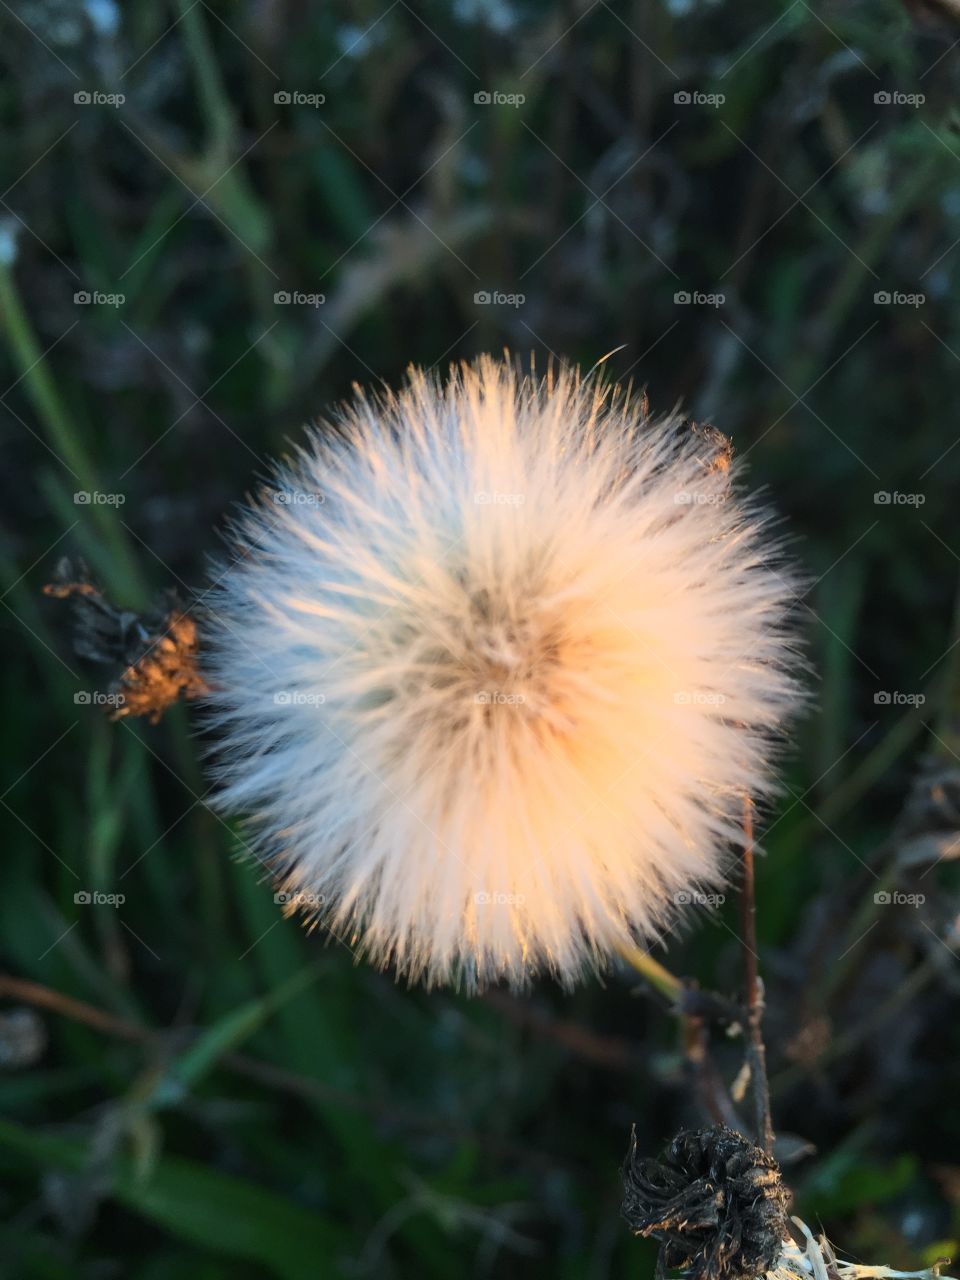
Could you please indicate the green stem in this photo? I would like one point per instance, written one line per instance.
(655, 973)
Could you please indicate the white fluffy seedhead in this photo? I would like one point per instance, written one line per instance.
(497, 662)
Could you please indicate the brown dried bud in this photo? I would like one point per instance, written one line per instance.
(154, 653)
(714, 1201)
(164, 673)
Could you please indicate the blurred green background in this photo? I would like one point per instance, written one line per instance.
(190, 1084)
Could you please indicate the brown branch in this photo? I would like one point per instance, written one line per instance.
(41, 997)
(756, 1051)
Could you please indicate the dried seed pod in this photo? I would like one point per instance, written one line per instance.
(154, 653)
(714, 1201)
(165, 672)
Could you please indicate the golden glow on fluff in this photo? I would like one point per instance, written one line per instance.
(495, 663)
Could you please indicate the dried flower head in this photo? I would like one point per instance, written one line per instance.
(494, 666)
(153, 654)
(714, 1201)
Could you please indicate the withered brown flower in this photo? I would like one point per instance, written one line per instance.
(713, 1200)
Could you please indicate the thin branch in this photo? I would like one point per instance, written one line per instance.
(41, 997)
(757, 1054)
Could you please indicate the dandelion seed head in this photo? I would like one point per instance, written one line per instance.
(496, 659)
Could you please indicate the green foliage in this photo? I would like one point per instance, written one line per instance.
(222, 1095)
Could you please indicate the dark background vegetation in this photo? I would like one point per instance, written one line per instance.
(221, 1095)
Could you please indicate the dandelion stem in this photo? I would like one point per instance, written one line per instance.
(655, 973)
(756, 1050)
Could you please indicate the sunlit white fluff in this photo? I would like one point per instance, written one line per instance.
(495, 665)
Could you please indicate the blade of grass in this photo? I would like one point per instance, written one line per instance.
(212, 1210)
(224, 1036)
(62, 433)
